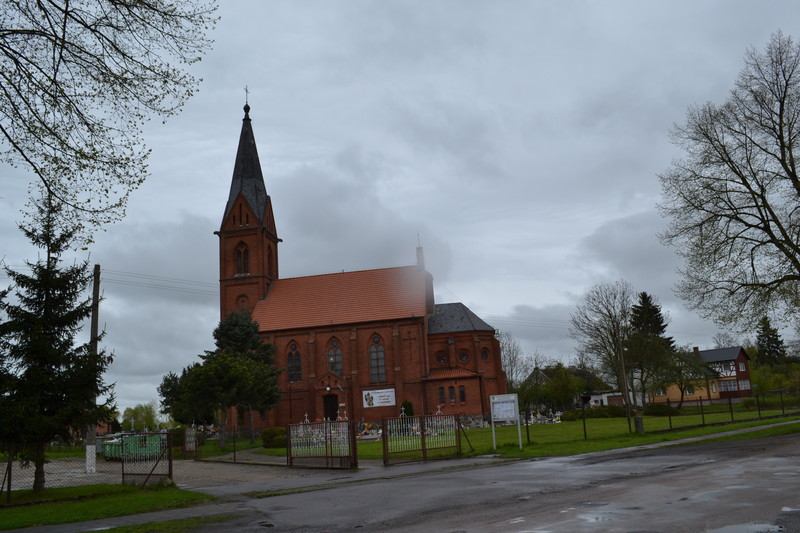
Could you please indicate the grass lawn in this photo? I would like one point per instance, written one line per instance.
(90, 502)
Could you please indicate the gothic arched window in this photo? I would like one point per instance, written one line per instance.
(242, 259)
(294, 368)
(377, 368)
(335, 357)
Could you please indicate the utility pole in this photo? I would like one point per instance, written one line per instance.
(91, 429)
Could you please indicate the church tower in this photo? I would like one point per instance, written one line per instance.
(248, 241)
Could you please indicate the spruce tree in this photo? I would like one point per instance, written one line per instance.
(50, 385)
(771, 350)
(649, 348)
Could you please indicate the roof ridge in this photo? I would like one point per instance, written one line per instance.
(350, 272)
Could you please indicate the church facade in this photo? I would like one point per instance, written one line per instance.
(356, 345)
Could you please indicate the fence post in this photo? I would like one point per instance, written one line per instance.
(169, 453)
(10, 468)
(702, 413)
(758, 406)
(730, 408)
(423, 430)
(385, 440)
(351, 426)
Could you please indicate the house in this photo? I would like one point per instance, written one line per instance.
(729, 370)
(355, 345)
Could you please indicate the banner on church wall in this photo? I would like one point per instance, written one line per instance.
(378, 398)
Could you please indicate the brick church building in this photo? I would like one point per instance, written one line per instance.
(351, 345)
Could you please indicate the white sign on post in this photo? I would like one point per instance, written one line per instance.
(505, 408)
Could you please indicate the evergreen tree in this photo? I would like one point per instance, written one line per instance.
(771, 350)
(49, 385)
(240, 373)
(649, 349)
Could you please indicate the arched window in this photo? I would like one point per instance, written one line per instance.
(377, 368)
(335, 357)
(242, 259)
(294, 368)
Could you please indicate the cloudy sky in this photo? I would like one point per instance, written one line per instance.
(518, 141)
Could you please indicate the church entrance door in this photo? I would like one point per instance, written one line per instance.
(331, 406)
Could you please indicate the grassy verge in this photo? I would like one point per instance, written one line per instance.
(78, 504)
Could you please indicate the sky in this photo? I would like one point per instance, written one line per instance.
(518, 142)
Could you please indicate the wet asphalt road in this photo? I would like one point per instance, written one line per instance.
(742, 487)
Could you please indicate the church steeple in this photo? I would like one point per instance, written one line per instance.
(247, 236)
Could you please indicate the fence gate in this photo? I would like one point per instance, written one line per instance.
(322, 445)
(146, 457)
(411, 438)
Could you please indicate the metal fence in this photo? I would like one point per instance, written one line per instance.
(413, 438)
(705, 411)
(142, 458)
(146, 458)
(329, 444)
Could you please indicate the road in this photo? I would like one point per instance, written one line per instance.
(748, 486)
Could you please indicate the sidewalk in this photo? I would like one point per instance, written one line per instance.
(258, 475)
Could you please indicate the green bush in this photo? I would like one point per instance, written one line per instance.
(661, 409)
(570, 416)
(749, 404)
(274, 437)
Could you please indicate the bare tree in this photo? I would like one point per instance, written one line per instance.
(79, 78)
(723, 339)
(602, 326)
(516, 364)
(734, 200)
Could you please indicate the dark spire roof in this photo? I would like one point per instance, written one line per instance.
(247, 177)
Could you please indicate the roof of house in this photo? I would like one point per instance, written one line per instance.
(722, 354)
(455, 317)
(343, 298)
(247, 177)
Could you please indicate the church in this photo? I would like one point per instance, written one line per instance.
(357, 345)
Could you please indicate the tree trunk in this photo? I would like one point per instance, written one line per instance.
(252, 429)
(38, 462)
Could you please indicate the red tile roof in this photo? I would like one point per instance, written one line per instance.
(343, 298)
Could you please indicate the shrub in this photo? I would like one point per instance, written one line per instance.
(274, 437)
(748, 404)
(661, 409)
(570, 416)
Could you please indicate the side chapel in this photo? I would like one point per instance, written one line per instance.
(352, 345)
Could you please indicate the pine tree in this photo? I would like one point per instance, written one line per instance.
(50, 385)
(648, 348)
(771, 350)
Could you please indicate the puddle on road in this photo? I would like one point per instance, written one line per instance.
(748, 528)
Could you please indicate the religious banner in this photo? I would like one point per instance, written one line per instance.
(378, 398)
